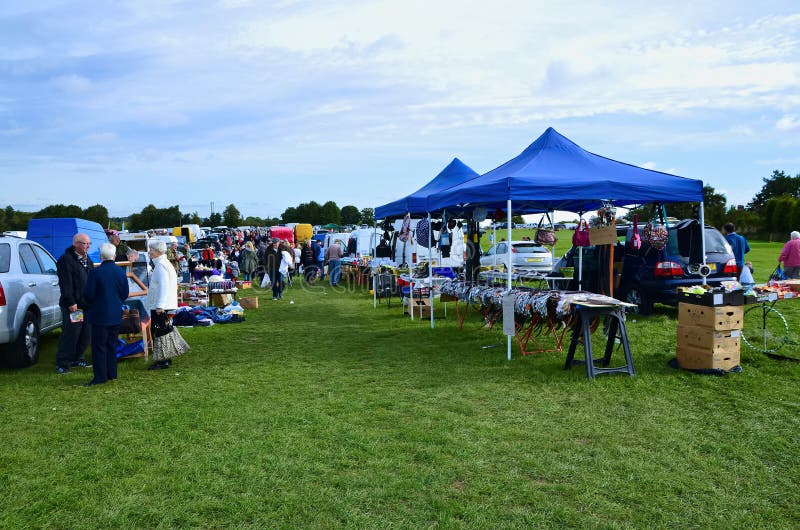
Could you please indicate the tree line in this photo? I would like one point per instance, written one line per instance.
(154, 217)
(772, 213)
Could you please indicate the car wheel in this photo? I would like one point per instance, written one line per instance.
(25, 350)
(634, 295)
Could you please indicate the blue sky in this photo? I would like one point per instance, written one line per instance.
(269, 104)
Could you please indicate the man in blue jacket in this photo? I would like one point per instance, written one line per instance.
(738, 243)
(105, 292)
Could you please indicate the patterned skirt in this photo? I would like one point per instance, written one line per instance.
(169, 346)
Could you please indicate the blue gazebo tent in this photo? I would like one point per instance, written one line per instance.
(554, 173)
(455, 173)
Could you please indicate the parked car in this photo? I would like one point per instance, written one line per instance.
(29, 296)
(650, 275)
(526, 256)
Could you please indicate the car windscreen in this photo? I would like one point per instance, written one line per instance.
(716, 242)
(532, 248)
(5, 257)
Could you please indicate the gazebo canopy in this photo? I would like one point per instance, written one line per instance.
(455, 173)
(554, 173)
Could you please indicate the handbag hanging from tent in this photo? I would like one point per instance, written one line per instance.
(444, 239)
(545, 236)
(636, 239)
(656, 232)
(581, 236)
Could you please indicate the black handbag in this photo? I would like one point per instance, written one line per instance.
(161, 323)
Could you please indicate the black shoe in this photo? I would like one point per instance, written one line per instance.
(62, 370)
(154, 366)
(80, 364)
(93, 383)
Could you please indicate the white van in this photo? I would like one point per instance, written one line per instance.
(364, 241)
(340, 237)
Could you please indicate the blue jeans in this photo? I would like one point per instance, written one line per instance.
(277, 285)
(335, 270)
(321, 265)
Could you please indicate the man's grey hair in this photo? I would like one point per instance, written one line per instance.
(157, 245)
(107, 251)
(795, 234)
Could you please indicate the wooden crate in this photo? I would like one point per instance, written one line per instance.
(693, 358)
(709, 339)
(716, 318)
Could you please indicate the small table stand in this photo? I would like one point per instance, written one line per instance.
(582, 332)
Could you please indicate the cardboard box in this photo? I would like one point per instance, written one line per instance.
(717, 318)
(249, 302)
(693, 358)
(422, 307)
(712, 299)
(708, 339)
(220, 300)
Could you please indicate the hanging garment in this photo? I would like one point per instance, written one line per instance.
(423, 233)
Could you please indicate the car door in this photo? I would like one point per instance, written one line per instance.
(48, 265)
(36, 281)
(500, 254)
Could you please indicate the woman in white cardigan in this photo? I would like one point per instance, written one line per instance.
(162, 297)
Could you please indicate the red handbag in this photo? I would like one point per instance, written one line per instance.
(581, 236)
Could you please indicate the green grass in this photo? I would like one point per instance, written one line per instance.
(329, 413)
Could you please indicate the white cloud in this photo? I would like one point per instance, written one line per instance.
(788, 123)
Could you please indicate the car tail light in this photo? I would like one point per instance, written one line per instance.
(513, 250)
(730, 267)
(668, 269)
(2, 295)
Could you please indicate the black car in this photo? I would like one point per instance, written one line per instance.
(650, 275)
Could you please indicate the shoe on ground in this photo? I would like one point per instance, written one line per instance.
(274, 298)
(94, 383)
(80, 364)
(62, 370)
(154, 366)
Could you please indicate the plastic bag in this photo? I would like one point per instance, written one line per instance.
(266, 282)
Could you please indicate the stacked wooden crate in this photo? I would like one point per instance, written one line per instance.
(709, 337)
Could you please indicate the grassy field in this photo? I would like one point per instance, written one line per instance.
(329, 413)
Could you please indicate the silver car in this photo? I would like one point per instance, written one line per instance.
(29, 296)
(526, 256)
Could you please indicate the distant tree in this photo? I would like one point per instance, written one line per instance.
(714, 205)
(350, 215)
(778, 184)
(191, 219)
(215, 219)
(152, 217)
(517, 219)
(231, 216)
(367, 216)
(59, 210)
(746, 221)
(778, 214)
(330, 214)
(97, 213)
(253, 221)
(290, 215)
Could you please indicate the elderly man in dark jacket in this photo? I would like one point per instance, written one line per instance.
(105, 292)
(272, 262)
(73, 267)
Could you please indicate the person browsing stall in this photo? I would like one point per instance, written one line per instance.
(333, 255)
(105, 292)
(738, 243)
(272, 264)
(162, 296)
(73, 268)
(790, 256)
